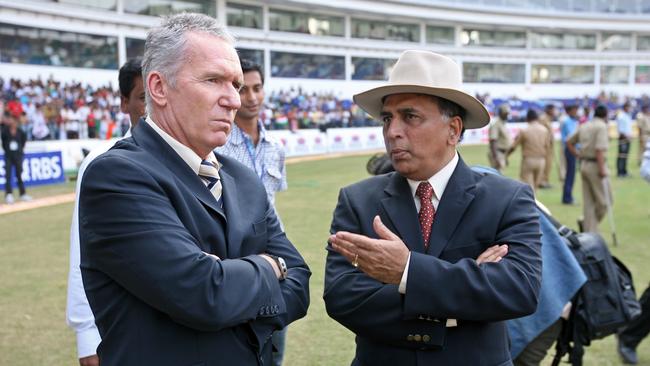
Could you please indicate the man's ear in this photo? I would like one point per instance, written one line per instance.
(455, 129)
(158, 88)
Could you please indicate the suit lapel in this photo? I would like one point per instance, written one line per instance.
(400, 210)
(228, 196)
(146, 137)
(453, 203)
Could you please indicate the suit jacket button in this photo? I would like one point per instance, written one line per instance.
(426, 338)
(417, 337)
(409, 337)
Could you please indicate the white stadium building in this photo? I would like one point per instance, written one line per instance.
(528, 48)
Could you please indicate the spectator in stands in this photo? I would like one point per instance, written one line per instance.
(534, 143)
(624, 127)
(250, 144)
(500, 139)
(547, 120)
(630, 337)
(13, 144)
(78, 313)
(40, 131)
(568, 127)
(593, 142)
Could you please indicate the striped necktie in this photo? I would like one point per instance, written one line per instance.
(209, 174)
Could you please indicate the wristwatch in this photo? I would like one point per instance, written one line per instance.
(282, 265)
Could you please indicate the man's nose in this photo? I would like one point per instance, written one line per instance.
(394, 129)
(230, 98)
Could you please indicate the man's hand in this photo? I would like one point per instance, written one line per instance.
(383, 259)
(274, 265)
(89, 361)
(493, 254)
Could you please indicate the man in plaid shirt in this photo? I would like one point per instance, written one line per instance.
(250, 145)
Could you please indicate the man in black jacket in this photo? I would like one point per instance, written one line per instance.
(13, 144)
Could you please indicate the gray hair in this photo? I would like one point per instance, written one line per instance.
(165, 47)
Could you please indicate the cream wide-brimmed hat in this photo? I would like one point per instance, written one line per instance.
(425, 72)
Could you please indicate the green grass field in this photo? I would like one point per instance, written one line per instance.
(34, 262)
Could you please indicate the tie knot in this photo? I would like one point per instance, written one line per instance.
(208, 169)
(424, 191)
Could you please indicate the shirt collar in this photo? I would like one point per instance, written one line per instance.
(187, 154)
(236, 135)
(439, 180)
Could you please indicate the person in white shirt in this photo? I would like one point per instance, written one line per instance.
(78, 314)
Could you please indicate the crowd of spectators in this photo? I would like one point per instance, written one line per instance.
(52, 110)
(586, 105)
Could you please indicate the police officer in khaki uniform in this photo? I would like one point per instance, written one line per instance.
(546, 120)
(500, 139)
(533, 141)
(593, 139)
(643, 124)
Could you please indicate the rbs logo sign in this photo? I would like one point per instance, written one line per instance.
(38, 169)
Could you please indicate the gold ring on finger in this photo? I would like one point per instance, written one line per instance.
(355, 262)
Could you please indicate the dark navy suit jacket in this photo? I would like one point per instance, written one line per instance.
(146, 220)
(475, 212)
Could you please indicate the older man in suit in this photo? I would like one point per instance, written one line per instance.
(182, 256)
(409, 284)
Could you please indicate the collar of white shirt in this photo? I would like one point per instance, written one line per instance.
(187, 154)
(438, 182)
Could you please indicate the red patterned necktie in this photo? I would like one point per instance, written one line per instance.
(427, 212)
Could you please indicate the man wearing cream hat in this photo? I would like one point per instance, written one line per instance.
(412, 268)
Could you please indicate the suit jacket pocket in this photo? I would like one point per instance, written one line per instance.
(259, 228)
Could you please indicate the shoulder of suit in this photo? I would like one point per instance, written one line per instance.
(370, 184)
(233, 167)
(497, 183)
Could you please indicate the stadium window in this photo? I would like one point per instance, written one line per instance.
(134, 48)
(366, 68)
(571, 41)
(256, 56)
(35, 46)
(617, 6)
(643, 43)
(562, 74)
(560, 4)
(492, 38)
(610, 74)
(318, 25)
(247, 16)
(440, 35)
(307, 66)
(616, 42)
(165, 7)
(494, 73)
(377, 29)
(98, 4)
(642, 74)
